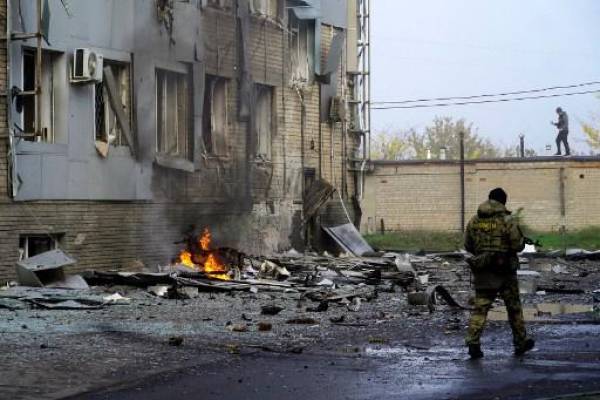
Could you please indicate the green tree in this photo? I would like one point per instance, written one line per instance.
(386, 145)
(592, 134)
(443, 132)
(591, 130)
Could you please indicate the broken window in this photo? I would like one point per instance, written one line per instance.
(225, 4)
(214, 116)
(270, 8)
(263, 120)
(54, 86)
(173, 123)
(32, 245)
(107, 127)
(302, 48)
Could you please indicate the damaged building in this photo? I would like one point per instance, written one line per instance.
(126, 122)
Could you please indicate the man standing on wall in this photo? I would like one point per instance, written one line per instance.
(494, 238)
(563, 131)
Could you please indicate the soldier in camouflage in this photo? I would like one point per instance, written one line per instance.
(494, 238)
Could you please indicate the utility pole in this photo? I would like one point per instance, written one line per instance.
(522, 145)
(462, 181)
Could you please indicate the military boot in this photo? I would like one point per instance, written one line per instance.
(475, 351)
(524, 347)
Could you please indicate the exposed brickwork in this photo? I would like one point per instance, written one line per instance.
(426, 196)
(105, 235)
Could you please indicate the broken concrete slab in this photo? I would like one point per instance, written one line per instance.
(349, 239)
(65, 305)
(581, 254)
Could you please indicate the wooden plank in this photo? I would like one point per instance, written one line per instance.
(113, 96)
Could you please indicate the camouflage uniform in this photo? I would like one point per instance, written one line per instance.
(494, 239)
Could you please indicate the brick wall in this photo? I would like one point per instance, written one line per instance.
(109, 235)
(426, 195)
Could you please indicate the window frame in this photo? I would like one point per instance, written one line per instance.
(54, 90)
(162, 78)
(258, 90)
(301, 46)
(119, 140)
(216, 141)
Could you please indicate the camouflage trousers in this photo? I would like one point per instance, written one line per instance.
(484, 298)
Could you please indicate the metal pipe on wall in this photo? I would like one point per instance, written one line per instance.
(38, 73)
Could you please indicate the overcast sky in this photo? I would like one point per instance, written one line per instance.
(439, 48)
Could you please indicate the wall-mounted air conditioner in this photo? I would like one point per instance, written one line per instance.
(87, 66)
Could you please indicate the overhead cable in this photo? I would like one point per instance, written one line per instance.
(464, 103)
(576, 85)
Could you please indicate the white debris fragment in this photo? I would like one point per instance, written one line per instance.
(403, 263)
(269, 269)
(559, 269)
(325, 282)
(423, 278)
(293, 253)
(159, 290)
(529, 249)
(355, 305)
(116, 298)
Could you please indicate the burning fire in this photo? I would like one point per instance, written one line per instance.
(205, 260)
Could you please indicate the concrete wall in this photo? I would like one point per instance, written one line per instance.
(248, 203)
(419, 195)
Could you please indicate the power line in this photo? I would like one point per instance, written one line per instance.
(464, 103)
(576, 85)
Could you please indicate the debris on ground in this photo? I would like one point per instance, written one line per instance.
(176, 341)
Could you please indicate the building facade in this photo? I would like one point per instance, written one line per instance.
(132, 120)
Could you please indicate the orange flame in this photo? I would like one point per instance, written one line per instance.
(205, 240)
(212, 266)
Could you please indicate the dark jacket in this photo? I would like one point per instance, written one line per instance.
(494, 238)
(563, 122)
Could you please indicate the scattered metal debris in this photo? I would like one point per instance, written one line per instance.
(48, 270)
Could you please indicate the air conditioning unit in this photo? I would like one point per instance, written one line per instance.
(87, 66)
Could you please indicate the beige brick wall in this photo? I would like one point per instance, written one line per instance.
(426, 195)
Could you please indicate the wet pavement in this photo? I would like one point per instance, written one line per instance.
(566, 361)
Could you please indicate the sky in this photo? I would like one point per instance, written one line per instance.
(441, 48)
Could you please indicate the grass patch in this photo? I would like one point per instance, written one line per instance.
(417, 240)
(587, 238)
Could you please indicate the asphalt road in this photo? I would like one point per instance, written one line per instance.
(566, 361)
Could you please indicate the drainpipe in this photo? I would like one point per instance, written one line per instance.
(362, 179)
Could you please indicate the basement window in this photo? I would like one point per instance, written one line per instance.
(263, 121)
(173, 108)
(302, 48)
(214, 115)
(54, 86)
(32, 245)
(107, 127)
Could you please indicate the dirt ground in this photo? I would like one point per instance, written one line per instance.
(53, 354)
